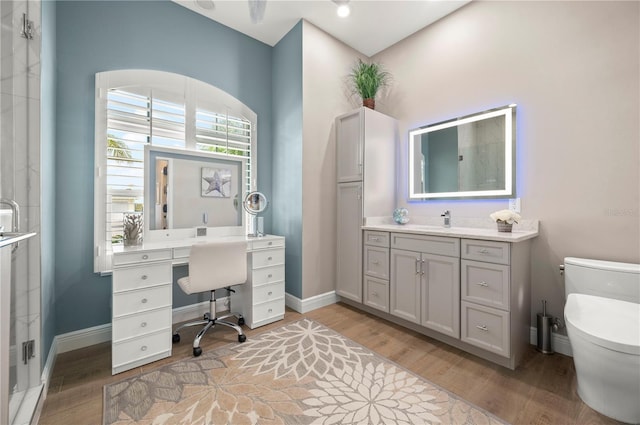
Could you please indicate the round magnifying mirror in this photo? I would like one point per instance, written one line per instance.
(255, 202)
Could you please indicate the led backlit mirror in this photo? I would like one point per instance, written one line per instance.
(471, 156)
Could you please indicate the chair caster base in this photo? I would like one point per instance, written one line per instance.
(197, 351)
(175, 338)
(241, 321)
(242, 338)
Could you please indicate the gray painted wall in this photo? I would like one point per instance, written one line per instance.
(287, 153)
(94, 36)
(573, 68)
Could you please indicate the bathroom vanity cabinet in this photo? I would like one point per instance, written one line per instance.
(365, 157)
(141, 307)
(469, 288)
(425, 281)
(142, 296)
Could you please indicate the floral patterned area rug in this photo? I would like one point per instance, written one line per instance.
(301, 373)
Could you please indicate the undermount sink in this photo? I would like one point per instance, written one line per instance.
(428, 227)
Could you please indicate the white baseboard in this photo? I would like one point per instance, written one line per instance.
(559, 343)
(312, 303)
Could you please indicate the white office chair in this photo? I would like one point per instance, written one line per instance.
(214, 266)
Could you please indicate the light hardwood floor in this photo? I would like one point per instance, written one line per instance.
(541, 391)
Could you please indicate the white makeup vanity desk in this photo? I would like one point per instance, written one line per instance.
(142, 302)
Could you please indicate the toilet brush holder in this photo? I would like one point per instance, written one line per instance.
(545, 326)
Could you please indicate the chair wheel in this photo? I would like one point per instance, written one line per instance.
(197, 351)
(175, 338)
(242, 338)
(240, 321)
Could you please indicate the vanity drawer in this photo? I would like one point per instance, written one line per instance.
(376, 293)
(266, 258)
(269, 309)
(181, 252)
(485, 283)
(376, 262)
(141, 300)
(126, 327)
(139, 348)
(485, 327)
(268, 292)
(265, 244)
(267, 275)
(137, 257)
(438, 245)
(376, 238)
(135, 277)
(494, 252)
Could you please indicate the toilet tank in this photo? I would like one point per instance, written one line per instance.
(606, 279)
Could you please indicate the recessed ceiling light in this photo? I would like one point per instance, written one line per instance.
(343, 10)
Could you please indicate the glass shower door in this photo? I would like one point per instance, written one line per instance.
(19, 183)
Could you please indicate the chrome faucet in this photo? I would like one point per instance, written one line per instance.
(447, 218)
(16, 213)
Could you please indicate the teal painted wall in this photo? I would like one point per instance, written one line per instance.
(95, 36)
(287, 153)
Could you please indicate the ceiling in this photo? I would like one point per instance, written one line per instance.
(372, 26)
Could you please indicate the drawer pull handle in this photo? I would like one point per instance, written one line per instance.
(145, 257)
(374, 293)
(483, 283)
(483, 251)
(375, 239)
(144, 301)
(417, 266)
(270, 310)
(143, 348)
(144, 277)
(270, 276)
(483, 328)
(143, 324)
(270, 293)
(270, 243)
(269, 258)
(375, 262)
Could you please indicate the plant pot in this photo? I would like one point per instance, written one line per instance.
(369, 103)
(504, 227)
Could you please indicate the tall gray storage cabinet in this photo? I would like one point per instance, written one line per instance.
(366, 143)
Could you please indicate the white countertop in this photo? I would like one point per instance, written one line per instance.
(484, 230)
(178, 243)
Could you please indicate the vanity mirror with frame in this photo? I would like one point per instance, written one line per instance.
(187, 191)
(467, 157)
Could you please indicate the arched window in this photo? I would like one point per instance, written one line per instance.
(135, 108)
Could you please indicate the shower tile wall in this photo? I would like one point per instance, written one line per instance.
(20, 164)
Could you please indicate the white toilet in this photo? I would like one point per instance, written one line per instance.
(602, 315)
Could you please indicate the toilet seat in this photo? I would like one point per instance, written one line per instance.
(598, 320)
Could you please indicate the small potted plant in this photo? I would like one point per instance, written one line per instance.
(505, 219)
(366, 80)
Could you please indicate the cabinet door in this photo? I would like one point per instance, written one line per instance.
(349, 241)
(441, 294)
(405, 285)
(349, 141)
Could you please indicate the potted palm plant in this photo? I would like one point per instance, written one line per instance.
(366, 79)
